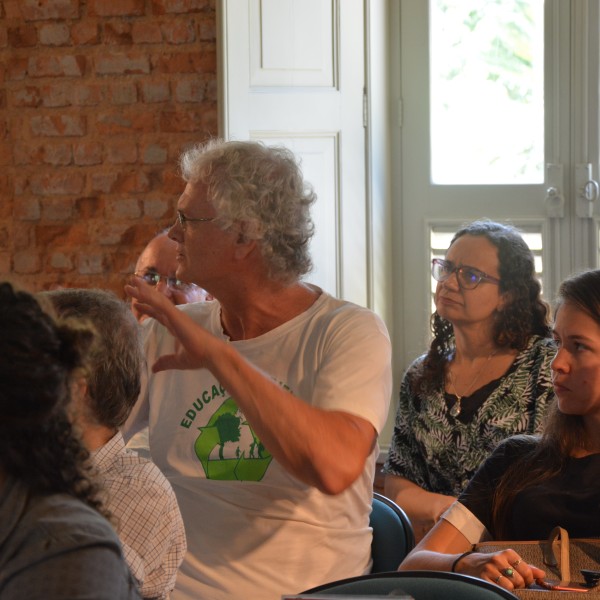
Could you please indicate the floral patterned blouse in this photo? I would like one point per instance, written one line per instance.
(441, 453)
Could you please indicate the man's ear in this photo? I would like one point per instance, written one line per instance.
(244, 245)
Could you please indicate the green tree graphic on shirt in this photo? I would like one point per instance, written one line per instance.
(248, 463)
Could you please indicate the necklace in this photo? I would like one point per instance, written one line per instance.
(457, 407)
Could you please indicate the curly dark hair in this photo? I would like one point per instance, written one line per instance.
(38, 357)
(562, 433)
(525, 314)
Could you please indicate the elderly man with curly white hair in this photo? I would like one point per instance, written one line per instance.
(264, 406)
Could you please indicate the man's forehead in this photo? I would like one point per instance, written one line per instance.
(194, 195)
(160, 254)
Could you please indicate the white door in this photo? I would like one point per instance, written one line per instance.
(528, 164)
(292, 73)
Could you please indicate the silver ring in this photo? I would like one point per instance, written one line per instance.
(498, 579)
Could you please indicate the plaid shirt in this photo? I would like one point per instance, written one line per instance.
(146, 515)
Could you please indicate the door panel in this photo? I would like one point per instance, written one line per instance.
(292, 72)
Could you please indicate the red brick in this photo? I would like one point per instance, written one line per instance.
(27, 209)
(181, 121)
(161, 7)
(134, 182)
(121, 152)
(89, 207)
(59, 125)
(172, 183)
(56, 66)
(190, 90)
(146, 33)
(123, 209)
(38, 10)
(28, 96)
(87, 95)
(122, 64)
(61, 261)
(27, 261)
(63, 235)
(20, 185)
(154, 154)
(87, 153)
(115, 8)
(6, 154)
(186, 62)
(90, 263)
(123, 93)
(55, 95)
(54, 34)
(50, 154)
(103, 183)
(212, 91)
(5, 263)
(107, 233)
(207, 29)
(153, 92)
(181, 32)
(57, 209)
(54, 184)
(22, 37)
(113, 124)
(85, 33)
(157, 209)
(23, 236)
(28, 154)
(17, 69)
(5, 237)
(117, 34)
(57, 154)
(210, 122)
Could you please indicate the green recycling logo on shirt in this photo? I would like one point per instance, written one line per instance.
(246, 460)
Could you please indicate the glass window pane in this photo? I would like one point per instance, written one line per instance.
(487, 91)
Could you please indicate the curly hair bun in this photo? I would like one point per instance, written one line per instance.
(37, 357)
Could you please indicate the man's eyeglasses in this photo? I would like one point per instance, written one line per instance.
(468, 277)
(152, 278)
(182, 219)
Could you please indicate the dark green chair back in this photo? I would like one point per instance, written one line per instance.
(393, 536)
(420, 585)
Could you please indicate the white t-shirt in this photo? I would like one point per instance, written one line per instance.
(253, 530)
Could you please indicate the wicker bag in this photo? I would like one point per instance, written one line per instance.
(562, 559)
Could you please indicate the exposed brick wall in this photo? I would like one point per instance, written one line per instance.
(98, 98)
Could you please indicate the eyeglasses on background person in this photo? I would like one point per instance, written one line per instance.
(153, 278)
(468, 277)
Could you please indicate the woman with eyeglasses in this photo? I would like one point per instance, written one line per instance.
(530, 484)
(485, 377)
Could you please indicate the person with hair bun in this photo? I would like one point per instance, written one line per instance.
(55, 541)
